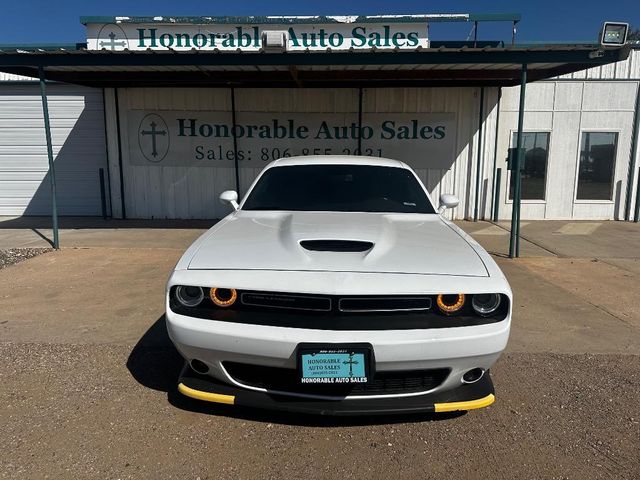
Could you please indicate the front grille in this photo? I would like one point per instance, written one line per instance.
(325, 303)
(286, 301)
(384, 304)
(383, 383)
(336, 312)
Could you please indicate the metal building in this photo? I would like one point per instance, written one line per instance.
(78, 134)
(173, 118)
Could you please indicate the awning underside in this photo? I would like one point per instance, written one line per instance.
(429, 67)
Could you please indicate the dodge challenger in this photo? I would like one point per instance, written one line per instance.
(336, 286)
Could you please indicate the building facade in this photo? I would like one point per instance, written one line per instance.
(167, 153)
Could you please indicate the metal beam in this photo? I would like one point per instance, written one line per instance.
(360, 95)
(632, 155)
(52, 170)
(418, 77)
(120, 163)
(514, 240)
(85, 58)
(496, 172)
(479, 157)
(235, 139)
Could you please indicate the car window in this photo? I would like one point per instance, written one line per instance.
(339, 188)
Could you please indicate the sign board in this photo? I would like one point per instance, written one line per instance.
(299, 37)
(205, 139)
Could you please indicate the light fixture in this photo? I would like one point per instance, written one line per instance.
(614, 34)
(189, 296)
(485, 303)
(450, 303)
(223, 297)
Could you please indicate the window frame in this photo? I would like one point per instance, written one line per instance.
(617, 131)
(546, 185)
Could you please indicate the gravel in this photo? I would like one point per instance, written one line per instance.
(17, 255)
(107, 411)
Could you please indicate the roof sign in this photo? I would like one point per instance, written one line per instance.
(299, 37)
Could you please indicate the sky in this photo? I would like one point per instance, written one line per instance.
(57, 21)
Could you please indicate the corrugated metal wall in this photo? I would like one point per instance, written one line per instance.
(192, 192)
(628, 69)
(77, 128)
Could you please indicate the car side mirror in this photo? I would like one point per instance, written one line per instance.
(230, 197)
(448, 200)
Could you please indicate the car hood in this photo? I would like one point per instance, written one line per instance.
(396, 243)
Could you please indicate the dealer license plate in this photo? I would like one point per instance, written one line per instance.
(334, 365)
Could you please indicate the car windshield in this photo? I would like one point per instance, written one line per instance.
(339, 188)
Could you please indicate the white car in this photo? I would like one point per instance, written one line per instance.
(337, 287)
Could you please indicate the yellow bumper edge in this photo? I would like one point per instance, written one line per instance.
(206, 396)
(467, 405)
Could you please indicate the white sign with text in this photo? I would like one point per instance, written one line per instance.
(249, 38)
(176, 138)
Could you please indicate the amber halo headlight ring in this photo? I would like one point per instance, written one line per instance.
(189, 296)
(485, 304)
(451, 303)
(223, 297)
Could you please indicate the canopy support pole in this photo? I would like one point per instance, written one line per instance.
(514, 240)
(52, 170)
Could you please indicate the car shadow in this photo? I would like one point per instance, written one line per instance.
(155, 363)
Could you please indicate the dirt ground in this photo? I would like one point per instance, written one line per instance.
(103, 411)
(88, 383)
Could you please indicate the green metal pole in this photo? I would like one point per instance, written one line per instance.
(523, 86)
(515, 210)
(636, 213)
(52, 171)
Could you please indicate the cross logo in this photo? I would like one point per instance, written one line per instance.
(153, 132)
(153, 137)
(351, 362)
(112, 44)
(112, 37)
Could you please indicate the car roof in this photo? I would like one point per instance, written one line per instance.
(338, 160)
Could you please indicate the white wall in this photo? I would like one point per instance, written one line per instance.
(191, 192)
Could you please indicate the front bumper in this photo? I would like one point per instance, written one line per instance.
(465, 397)
(456, 349)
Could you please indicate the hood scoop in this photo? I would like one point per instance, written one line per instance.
(336, 245)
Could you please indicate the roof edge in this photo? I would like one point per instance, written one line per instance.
(306, 19)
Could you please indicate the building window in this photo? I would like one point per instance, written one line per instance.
(597, 161)
(534, 173)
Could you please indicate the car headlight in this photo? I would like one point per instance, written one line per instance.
(450, 303)
(486, 303)
(189, 296)
(223, 297)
